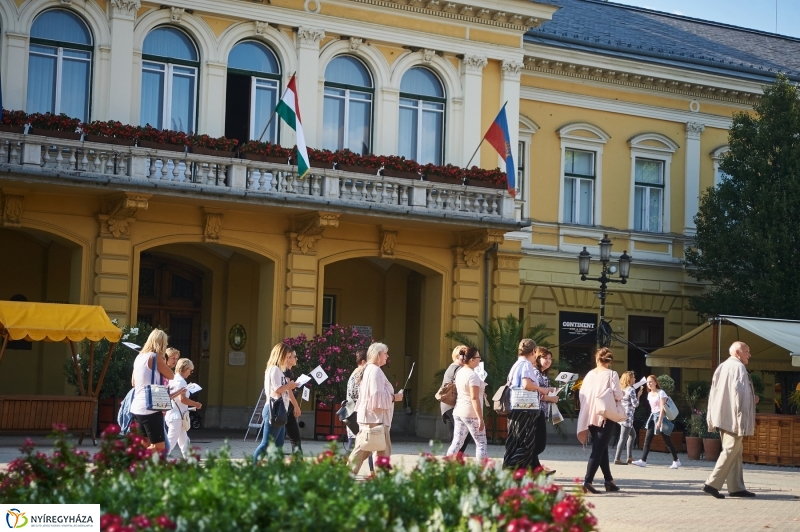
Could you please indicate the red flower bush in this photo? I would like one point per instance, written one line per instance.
(110, 128)
(53, 122)
(212, 143)
(322, 156)
(14, 118)
(165, 136)
(267, 149)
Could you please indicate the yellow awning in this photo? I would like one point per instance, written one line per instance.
(771, 342)
(54, 322)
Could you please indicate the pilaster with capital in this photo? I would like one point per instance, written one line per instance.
(509, 89)
(307, 43)
(472, 129)
(468, 264)
(692, 174)
(122, 17)
(505, 284)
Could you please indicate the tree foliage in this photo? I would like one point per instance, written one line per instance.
(748, 237)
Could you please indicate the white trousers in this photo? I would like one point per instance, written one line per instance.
(177, 436)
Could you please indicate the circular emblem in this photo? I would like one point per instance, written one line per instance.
(237, 337)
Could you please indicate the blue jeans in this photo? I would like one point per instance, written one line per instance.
(277, 435)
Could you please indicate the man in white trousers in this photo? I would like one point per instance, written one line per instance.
(732, 410)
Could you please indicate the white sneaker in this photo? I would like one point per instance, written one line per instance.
(675, 465)
(639, 463)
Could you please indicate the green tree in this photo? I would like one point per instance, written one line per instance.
(748, 243)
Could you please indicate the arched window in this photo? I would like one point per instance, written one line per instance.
(253, 83)
(60, 65)
(422, 104)
(169, 80)
(347, 112)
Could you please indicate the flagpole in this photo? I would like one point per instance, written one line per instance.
(482, 139)
(274, 110)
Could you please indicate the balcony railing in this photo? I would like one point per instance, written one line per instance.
(57, 157)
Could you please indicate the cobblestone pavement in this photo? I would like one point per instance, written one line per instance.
(654, 499)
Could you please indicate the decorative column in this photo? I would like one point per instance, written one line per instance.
(509, 92)
(472, 81)
(302, 271)
(15, 66)
(113, 262)
(467, 279)
(122, 16)
(692, 193)
(505, 285)
(215, 80)
(308, 82)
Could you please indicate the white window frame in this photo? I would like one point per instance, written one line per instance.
(646, 200)
(346, 125)
(418, 109)
(593, 143)
(59, 55)
(166, 117)
(717, 156)
(658, 147)
(254, 135)
(522, 204)
(576, 199)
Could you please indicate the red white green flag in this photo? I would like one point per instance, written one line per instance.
(289, 110)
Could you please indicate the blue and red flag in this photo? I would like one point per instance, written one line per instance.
(497, 136)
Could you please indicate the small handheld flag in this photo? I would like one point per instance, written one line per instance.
(289, 110)
(498, 137)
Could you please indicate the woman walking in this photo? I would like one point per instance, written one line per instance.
(447, 410)
(148, 367)
(542, 360)
(276, 386)
(468, 412)
(594, 384)
(353, 384)
(176, 433)
(657, 423)
(292, 428)
(630, 400)
(525, 428)
(375, 405)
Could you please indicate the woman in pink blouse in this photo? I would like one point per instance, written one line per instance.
(375, 406)
(595, 383)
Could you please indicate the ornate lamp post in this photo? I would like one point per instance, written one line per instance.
(604, 336)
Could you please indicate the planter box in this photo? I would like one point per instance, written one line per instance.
(70, 135)
(214, 153)
(12, 129)
(776, 441)
(400, 173)
(109, 140)
(433, 178)
(264, 158)
(486, 184)
(356, 169)
(658, 442)
(159, 146)
(326, 422)
(317, 164)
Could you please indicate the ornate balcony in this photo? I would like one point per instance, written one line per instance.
(77, 162)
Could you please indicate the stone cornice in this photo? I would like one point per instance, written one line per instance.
(513, 15)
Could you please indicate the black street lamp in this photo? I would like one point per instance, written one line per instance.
(584, 257)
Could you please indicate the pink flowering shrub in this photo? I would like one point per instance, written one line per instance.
(334, 350)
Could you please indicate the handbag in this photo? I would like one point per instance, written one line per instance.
(605, 405)
(278, 416)
(522, 399)
(670, 410)
(156, 395)
(373, 439)
(502, 399)
(448, 393)
(186, 421)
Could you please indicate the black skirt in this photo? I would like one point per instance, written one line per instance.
(522, 450)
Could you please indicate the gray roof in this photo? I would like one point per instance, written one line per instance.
(652, 36)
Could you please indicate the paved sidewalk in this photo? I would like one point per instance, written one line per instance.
(655, 499)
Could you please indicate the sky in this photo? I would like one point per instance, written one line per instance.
(755, 14)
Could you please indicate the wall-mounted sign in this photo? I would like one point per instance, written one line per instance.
(236, 358)
(363, 330)
(237, 337)
(577, 328)
(205, 336)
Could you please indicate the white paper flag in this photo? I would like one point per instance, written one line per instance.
(319, 374)
(131, 345)
(566, 376)
(306, 394)
(481, 372)
(640, 383)
(193, 387)
(302, 380)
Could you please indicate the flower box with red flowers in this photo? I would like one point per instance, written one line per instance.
(319, 158)
(265, 152)
(215, 146)
(110, 132)
(13, 121)
(149, 137)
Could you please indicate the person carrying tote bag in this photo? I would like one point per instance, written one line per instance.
(448, 396)
(177, 419)
(148, 368)
(276, 388)
(658, 423)
(599, 396)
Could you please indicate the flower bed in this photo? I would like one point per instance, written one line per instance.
(142, 491)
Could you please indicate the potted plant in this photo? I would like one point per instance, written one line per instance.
(216, 146)
(450, 174)
(117, 380)
(110, 132)
(396, 166)
(712, 445)
(695, 428)
(349, 161)
(334, 350)
(479, 177)
(51, 125)
(321, 158)
(149, 137)
(13, 121)
(265, 152)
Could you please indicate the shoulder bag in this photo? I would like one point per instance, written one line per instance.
(347, 414)
(522, 399)
(670, 410)
(373, 439)
(278, 416)
(156, 395)
(605, 405)
(448, 393)
(186, 421)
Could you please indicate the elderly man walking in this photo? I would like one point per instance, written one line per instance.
(732, 410)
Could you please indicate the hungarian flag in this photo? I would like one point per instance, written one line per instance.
(289, 110)
(497, 136)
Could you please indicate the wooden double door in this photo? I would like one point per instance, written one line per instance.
(171, 297)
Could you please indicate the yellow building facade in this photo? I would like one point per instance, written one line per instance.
(199, 243)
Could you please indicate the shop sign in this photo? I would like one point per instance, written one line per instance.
(577, 328)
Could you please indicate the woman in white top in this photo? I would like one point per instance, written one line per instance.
(657, 423)
(468, 412)
(176, 434)
(375, 406)
(150, 421)
(630, 400)
(276, 386)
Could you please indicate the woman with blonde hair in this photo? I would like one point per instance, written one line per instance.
(595, 383)
(276, 387)
(525, 427)
(176, 433)
(375, 406)
(468, 412)
(447, 410)
(148, 367)
(630, 400)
